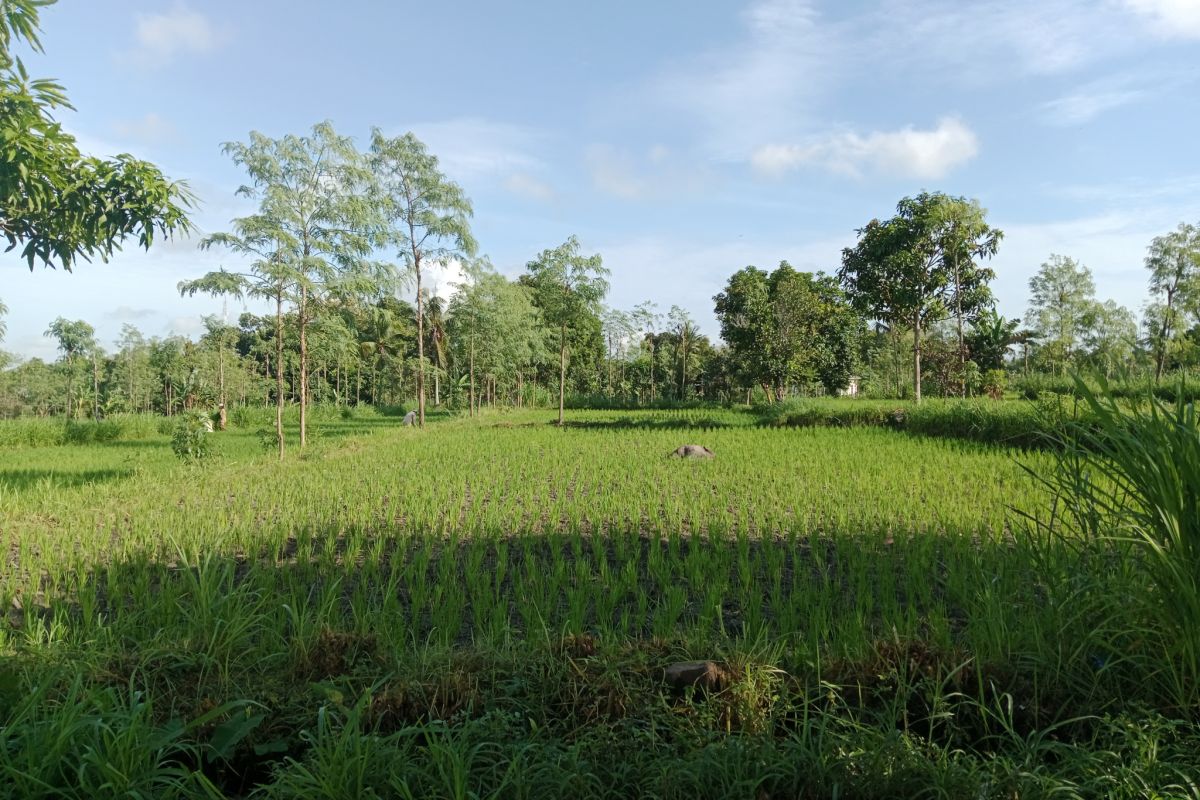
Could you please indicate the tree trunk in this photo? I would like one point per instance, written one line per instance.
(962, 353)
(420, 342)
(70, 409)
(95, 387)
(471, 401)
(279, 372)
(562, 372)
(1161, 355)
(917, 357)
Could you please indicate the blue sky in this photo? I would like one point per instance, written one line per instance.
(682, 140)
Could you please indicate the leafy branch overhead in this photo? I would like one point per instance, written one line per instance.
(56, 204)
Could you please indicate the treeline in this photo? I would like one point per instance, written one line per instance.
(341, 238)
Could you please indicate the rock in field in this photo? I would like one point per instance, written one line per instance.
(706, 676)
(692, 451)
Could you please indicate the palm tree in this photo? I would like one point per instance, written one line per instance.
(383, 337)
(1025, 337)
(435, 327)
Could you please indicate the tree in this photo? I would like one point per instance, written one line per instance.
(76, 339)
(787, 327)
(494, 328)
(3, 324)
(58, 205)
(567, 287)
(1062, 306)
(132, 364)
(646, 320)
(268, 278)
(315, 225)
(1112, 336)
(384, 334)
(965, 236)
(1174, 264)
(428, 219)
(435, 328)
(683, 329)
(619, 331)
(909, 270)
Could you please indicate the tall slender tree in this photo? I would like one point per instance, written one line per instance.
(567, 287)
(964, 239)
(76, 340)
(428, 218)
(267, 277)
(1174, 264)
(315, 217)
(1062, 307)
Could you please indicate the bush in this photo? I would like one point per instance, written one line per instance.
(192, 438)
(993, 383)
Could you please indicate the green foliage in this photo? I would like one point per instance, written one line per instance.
(918, 267)
(191, 438)
(567, 288)
(57, 204)
(994, 381)
(990, 339)
(1062, 307)
(787, 328)
(1174, 263)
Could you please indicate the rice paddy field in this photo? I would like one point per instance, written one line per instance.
(498, 607)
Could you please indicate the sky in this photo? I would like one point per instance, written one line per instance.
(681, 140)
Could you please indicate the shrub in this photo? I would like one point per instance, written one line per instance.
(192, 438)
(993, 383)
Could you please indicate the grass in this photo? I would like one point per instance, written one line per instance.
(486, 608)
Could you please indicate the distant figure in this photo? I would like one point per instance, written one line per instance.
(410, 418)
(222, 419)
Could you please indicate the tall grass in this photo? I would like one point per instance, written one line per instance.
(1128, 481)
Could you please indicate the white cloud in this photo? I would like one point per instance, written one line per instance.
(442, 279)
(152, 129)
(1038, 37)
(526, 185)
(906, 152)
(180, 31)
(1171, 19)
